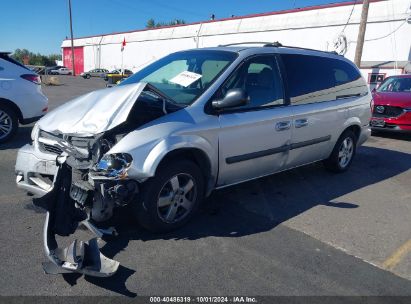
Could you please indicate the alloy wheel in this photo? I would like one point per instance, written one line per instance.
(177, 198)
(6, 124)
(345, 152)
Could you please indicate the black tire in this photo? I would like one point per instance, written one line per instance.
(88, 76)
(374, 132)
(336, 162)
(9, 120)
(154, 217)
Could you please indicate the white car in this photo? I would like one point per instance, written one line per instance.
(21, 98)
(61, 71)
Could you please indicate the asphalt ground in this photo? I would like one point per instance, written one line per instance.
(301, 232)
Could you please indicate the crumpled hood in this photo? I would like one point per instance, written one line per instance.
(93, 113)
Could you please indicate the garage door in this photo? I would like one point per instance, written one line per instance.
(78, 59)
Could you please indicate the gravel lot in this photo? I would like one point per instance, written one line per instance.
(302, 232)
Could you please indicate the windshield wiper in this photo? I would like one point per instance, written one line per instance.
(162, 97)
(161, 94)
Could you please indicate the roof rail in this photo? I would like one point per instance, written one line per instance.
(264, 44)
(308, 49)
(278, 44)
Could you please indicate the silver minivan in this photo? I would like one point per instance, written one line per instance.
(187, 124)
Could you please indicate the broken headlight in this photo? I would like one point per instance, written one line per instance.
(114, 165)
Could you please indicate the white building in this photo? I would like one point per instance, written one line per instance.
(332, 27)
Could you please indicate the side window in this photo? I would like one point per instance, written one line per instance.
(260, 78)
(313, 79)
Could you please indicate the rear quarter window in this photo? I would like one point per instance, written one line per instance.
(313, 79)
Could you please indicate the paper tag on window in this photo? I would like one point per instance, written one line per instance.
(185, 78)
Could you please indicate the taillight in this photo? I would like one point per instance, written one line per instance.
(32, 78)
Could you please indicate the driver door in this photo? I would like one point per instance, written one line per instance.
(254, 139)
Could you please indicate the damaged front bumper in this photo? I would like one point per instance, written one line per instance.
(35, 170)
(63, 217)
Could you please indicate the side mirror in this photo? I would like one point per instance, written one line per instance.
(233, 98)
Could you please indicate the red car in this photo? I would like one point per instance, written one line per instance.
(392, 105)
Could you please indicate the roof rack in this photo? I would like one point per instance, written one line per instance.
(308, 49)
(264, 44)
(278, 44)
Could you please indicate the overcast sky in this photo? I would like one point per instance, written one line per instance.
(41, 25)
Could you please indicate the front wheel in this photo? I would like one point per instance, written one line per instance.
(343, 153)
(170, 199)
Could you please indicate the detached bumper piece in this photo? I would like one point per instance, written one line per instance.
(62, 219)
(81, 257)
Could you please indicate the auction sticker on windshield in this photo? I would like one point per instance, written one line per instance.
(185, 78)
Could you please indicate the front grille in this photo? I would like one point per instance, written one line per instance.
(388, 111)
(50, 149)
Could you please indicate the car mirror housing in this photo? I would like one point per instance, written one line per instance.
(233, 98)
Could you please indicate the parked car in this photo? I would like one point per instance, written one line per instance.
(392, 105)
(61, 71)
(47, 70)
(21, 98)
(94, 73)
(187, 124)
(118, 72)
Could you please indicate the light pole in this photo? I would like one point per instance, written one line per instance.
(72, 43)
(361, 33)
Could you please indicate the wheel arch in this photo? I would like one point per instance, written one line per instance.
(195, 155)
(196, 149)
(353, 126)
(13, 106)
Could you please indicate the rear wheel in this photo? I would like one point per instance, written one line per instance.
(343, 153)
(8, 123)
(170, 199)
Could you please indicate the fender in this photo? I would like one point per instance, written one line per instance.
(174, 143)
(147, 155)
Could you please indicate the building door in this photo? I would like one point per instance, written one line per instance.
(78, 59)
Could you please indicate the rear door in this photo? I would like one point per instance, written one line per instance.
(321, 91)
(253, 139)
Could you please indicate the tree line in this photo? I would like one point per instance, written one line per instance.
(35, 58)
(151, 23)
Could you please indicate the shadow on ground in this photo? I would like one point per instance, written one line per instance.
(22, 137)
(393, 135)
(259, 206)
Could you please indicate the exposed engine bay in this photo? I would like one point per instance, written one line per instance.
(90, 184)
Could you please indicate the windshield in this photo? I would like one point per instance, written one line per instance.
(184, 76)
(395, 84)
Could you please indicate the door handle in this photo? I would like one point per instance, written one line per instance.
(283, 125)
(299, 123)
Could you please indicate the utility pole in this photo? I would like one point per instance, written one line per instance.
(72, 43)
(361, 32)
